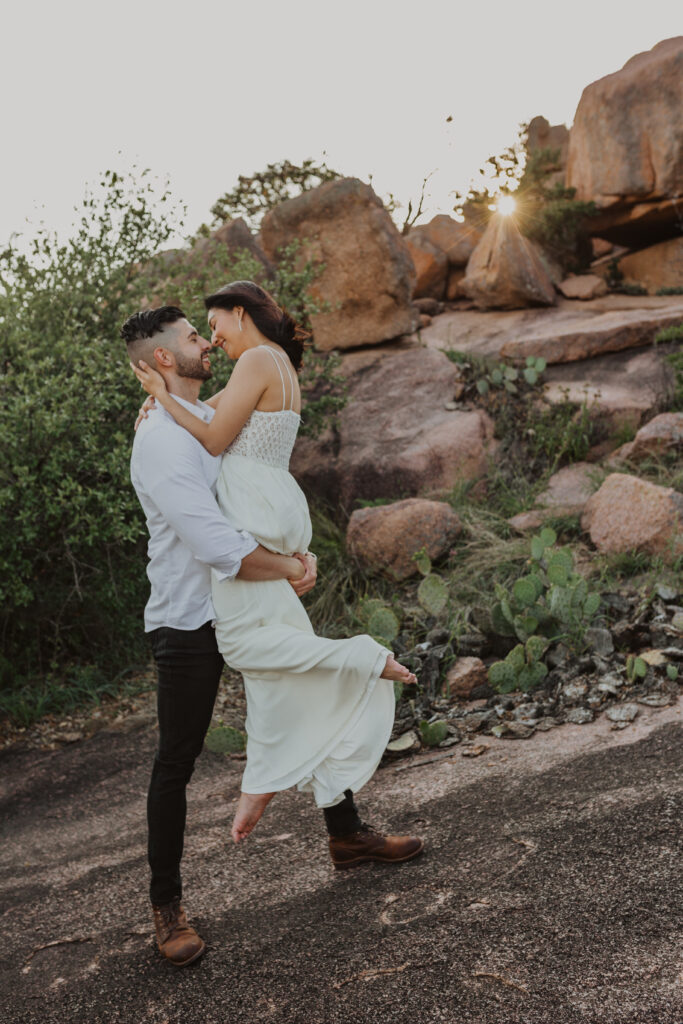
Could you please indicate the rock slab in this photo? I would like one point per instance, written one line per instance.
(386, 538)
(368, 276)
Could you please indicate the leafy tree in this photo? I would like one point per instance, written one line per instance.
(259, 192)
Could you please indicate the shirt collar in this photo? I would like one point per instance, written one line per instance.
(198, 408)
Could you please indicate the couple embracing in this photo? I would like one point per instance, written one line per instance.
(229, 534)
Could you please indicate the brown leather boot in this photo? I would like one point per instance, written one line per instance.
(176, 939)
(368, 844)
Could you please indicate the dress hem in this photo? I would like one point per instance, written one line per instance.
(302, 776)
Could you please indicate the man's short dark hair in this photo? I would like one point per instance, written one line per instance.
(150, 322)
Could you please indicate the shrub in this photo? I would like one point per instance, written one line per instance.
(72, 557)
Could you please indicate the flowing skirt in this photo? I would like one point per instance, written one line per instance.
(318, 715)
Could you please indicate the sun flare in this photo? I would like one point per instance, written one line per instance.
(505, 205)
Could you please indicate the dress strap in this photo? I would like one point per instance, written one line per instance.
(279, 370)
(278, 357)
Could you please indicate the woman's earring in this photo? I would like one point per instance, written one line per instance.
(239, 322)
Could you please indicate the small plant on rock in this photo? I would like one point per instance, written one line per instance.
(636, 668)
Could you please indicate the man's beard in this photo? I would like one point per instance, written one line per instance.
(192, 368)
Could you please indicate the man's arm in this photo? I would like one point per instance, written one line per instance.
(174, 480)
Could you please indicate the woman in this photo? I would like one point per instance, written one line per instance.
(319, 711)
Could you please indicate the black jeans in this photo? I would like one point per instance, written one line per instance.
(189, 669)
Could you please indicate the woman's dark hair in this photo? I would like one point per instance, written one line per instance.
(273, 322)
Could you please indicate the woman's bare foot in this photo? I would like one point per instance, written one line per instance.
(249, 809)
(394, 670)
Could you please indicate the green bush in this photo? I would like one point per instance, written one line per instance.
(72, 554)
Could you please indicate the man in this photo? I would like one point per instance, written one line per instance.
(175, 477)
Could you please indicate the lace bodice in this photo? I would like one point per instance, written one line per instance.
(267, 437)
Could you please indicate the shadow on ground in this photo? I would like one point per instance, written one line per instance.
(550, 891)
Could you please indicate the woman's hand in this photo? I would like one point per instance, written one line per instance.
(306, 582)
(146, 407)
(152, 381)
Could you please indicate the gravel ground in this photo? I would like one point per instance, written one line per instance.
(550, 890)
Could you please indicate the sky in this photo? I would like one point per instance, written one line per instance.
(205, 90)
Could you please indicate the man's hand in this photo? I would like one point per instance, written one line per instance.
(146, 407)
(308, 580)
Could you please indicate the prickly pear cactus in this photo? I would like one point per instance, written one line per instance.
(423, 562)
(225, 740)
(433, 594)
(383, 625)
(433, 733)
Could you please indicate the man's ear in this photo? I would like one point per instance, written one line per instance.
(164, 358)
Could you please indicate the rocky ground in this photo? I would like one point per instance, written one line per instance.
(549, 888)
(603, 681)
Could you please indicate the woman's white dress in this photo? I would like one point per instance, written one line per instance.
(318, 715)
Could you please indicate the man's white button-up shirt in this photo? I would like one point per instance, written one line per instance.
(175, 479)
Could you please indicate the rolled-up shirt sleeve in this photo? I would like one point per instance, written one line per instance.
(176, 483)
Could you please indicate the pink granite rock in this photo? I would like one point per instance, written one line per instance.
(629, 514)
(387, 537)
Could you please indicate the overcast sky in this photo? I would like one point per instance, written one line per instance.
(202, 91)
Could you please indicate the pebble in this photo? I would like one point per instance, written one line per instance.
(666, 592)
(544, 724)
(513, 730)
(579, 716)
(407, 741)
(654, 700)
(611, 682)
(677, 621)
(526, 712)
(622, 712)
(599, 640)
(574, 691)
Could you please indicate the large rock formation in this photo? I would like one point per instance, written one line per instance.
(368, 276)
(658, 266)
(456, 239)
(440, 251)
(395, 437)
(237, 237)
(629, 514)
(388, 537)
(505, 271)
(431, 266)
(626, 147)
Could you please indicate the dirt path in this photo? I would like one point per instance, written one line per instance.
(550, 891)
